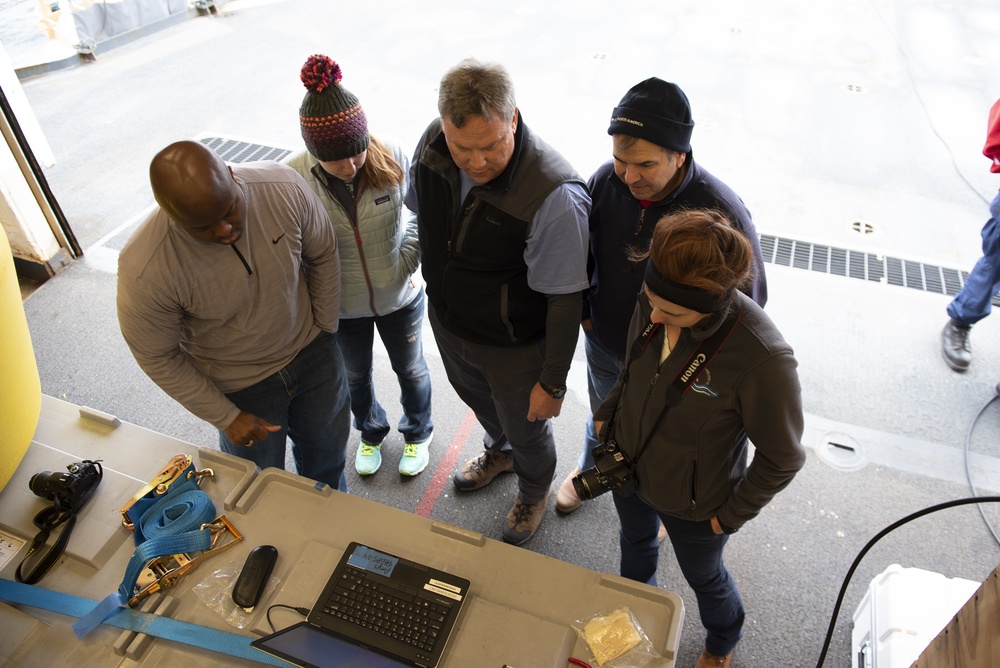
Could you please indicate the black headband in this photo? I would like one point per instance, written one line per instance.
(695, 299)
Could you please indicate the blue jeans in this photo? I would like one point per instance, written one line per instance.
(973, 302)
(602, 372)
(308, 399)
(496, 383)
(400, 332)
(699, 555)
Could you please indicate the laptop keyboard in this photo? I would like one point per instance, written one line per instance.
(386, 608)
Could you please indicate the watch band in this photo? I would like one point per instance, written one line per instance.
(554, 392)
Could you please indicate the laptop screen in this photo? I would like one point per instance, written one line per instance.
(304, 645)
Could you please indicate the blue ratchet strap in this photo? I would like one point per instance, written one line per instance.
(157, 626)
(172, 525)
(139, 509)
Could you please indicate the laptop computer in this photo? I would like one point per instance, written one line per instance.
(377, 609)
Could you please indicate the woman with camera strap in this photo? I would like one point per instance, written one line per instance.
(708, 373)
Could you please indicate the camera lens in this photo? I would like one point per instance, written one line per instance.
(48, 484)
(588, 484)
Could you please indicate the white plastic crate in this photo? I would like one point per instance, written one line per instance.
(902, 611)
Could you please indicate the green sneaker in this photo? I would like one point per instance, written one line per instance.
(415, 457)
(369, 458)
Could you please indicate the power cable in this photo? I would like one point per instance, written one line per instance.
(978, 500)
(871, 543)
(301, 610)
(968, 468)
(920, 99)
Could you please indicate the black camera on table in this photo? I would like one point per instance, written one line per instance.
(67, 490)
(612, 471)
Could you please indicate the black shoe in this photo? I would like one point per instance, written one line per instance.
(955, 345)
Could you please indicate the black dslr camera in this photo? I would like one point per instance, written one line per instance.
(612, 472)
(67, 490)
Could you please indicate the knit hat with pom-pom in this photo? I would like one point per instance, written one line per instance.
(334, 126)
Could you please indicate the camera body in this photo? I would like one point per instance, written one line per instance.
(70, 489)
(612, 471)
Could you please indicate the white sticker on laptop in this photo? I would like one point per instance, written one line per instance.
(450, 587)
(444, 589)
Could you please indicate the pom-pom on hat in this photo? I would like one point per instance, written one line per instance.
(334, 126)
(657, 111)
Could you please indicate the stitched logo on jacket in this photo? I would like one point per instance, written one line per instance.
(703, 388)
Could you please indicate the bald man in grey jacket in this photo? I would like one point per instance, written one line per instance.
(229, 296)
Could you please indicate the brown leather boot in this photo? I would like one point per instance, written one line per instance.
(707, 660)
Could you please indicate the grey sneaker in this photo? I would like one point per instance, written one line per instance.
(481, 470)
(523, 520)
(955, 345)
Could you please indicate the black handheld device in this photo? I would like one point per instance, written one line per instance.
(253, 578)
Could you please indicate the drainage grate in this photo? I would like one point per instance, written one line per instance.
(841, 451)
(776, 250)
(236, 151)
(864, 266)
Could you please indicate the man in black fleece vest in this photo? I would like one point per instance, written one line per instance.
(502, 219)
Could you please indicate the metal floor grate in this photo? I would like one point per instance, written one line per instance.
(236, 151)
(864, 266)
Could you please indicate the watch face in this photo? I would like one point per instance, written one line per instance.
(554, 392)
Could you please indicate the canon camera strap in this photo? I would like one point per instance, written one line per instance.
(702, 356)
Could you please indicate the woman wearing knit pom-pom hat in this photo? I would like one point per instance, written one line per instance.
(362, 182)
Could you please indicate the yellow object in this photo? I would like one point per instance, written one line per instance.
(20, 387)
(610, 637)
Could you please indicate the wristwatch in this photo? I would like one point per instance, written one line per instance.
(554, 392)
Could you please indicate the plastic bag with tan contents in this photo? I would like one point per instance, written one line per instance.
(616, 640)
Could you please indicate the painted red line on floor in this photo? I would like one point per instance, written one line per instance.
(447, 464)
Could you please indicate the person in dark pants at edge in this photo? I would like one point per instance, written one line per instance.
(974, 301)
(652, 173)
(229, 299)
(688, 448)
(502, 221)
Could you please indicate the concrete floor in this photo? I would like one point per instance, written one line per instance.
(854, 125)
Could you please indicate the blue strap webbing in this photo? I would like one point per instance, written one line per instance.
(168, 526)
(158, 626)
(188, 482)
